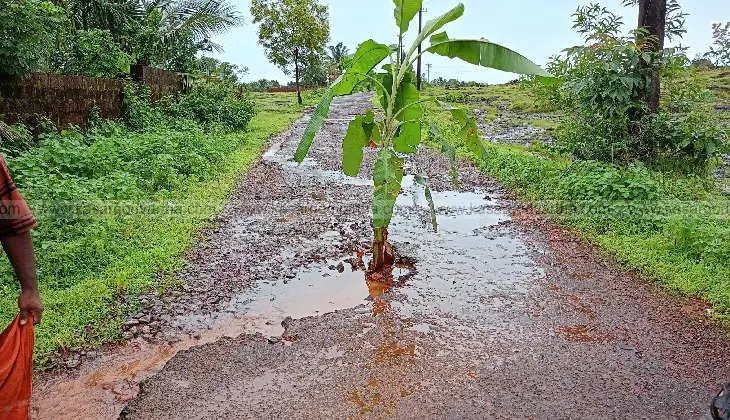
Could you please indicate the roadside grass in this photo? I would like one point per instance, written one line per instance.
(671, 228)
(90, 271)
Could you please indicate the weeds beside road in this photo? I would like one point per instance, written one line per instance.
(90, 266)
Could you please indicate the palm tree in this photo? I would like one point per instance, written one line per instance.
(338, 53)
(111, 15)
(182, 27)
(163, 30)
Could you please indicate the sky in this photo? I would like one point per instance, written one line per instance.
(529, 27)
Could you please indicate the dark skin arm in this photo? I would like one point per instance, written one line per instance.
(19, 249)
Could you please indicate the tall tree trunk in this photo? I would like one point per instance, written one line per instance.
(653, 18)
(296, 67)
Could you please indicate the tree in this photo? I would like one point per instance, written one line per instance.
(652, 22)
(338, 54)
(28, 30)
(225, 70)
(174, 31)
(291, 31)
(658, 19)
(720, 51)
(315, 71)
(92, 53)
(111, 15)
(398, 134)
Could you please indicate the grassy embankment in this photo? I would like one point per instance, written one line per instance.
(672, 228)
(90, 267)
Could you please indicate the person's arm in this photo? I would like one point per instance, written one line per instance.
(19, 249)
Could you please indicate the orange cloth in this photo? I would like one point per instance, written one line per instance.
(16, 370)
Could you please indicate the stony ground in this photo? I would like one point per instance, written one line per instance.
(498, 315)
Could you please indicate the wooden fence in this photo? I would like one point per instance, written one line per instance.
(68, 100)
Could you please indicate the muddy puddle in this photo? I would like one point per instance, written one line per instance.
(472, 268)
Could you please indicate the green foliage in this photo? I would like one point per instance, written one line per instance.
(14, 139)
(404, 12)
(291, 31)
(483, 53)
(602, 85)
(262, 85)
(387, 178)
(314, 71)
(212, 104)
(361, 131)
(454, 97)
(400, 129)
(339, 55)
(368, 55)
(28, 30)
(92, 53)
(168, 181)
(719, 52)
(212, 67)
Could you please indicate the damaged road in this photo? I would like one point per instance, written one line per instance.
(498, 315)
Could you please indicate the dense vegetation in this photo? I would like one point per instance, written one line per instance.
(602, 86)
(119, 203)
(102, 37)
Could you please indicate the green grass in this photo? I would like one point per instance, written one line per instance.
(544, 124)
(687, 252)
(83, 279)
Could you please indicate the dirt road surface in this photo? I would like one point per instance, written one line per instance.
(498, 315)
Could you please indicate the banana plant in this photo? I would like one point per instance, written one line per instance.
(398, 133)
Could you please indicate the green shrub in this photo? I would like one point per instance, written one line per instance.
(699, 240)
(138, 113)
(14, 139)
(109, 163)
(92, 53)
(214, 103)
(602, 84)
(454, 96)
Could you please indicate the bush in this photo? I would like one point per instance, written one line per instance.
(262, 85)
(92, 53)
(602, 86)
(14, 139)
(454, 96)
(214, 103)
(138, 113)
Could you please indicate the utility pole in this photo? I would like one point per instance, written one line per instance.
(428, 78)
(418, 66)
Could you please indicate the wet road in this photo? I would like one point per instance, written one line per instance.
(498, 315)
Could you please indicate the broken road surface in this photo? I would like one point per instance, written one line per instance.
(498, 315)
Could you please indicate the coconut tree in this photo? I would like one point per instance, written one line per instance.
(338, 54)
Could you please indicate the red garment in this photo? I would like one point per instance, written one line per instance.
(15, 216)
(16, 370)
